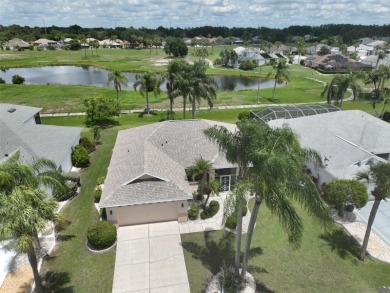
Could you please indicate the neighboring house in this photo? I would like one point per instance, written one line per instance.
(313, 50)
(146, 180)
(365, 40)
(361, 50)
(347, 140)
(259, 56)
(334, 63)
(112, 44)
(44, 43)
(21, 130)
(377, 44)
(15, 43)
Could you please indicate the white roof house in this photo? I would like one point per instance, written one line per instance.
(20, 130)
(146, 180)
(347, 141)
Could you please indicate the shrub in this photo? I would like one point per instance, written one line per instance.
(2, 81)
(31, 48)
(51, 47)
(211, 211)
(193, 212)
(217, 61)
(39, 49)
(101, 235)
(231, 220)
(243, 115)
(248, 65)
(17, 79)
(7, 48)
(80, 157)
(103, 214)
(100, 180)
(98, 194)
(73, 176)
(230, 281)
(88, 143)
(69, 191)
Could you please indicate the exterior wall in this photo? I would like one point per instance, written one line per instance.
(148, 213)
(321, 174)
(66, 163)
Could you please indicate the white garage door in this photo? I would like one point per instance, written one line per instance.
(147, 213)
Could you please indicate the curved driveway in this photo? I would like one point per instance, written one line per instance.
(150, 259)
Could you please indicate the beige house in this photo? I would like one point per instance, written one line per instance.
(146, 180)
(14, 43)
(44, 43)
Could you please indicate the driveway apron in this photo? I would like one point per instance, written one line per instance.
(150, 259)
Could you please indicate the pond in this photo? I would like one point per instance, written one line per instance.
(92, 76)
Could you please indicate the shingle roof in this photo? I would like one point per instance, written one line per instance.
(148, 162)
(348, 139)
(33, 140)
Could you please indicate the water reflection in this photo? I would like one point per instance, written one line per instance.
(92, 76)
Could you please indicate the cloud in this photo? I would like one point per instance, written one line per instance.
(189, 13)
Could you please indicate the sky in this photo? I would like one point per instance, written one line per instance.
(192, 13)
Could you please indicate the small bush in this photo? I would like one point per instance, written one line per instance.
(69, 191)
(230, 281)
(217, 61)
(39, 49)
(2, 81)
(51, 47)
(243, 115)
(31, 48)
(103, 214)
(73, 176)
(231, 221)
(248, 65)
(211, 211)
(17, 79)
(80, 157)
(193, 212)
(7, 48)
(101, 235)
(88, 143)
(98, 194)
(100, 180)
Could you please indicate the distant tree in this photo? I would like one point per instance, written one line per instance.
(381, 56)
(202, 53)
(323, 51)
(282, 73)
(175, 68)
(175, 47)
(278, 45)
(248, 64)
(118, 78)
(84, 44)
(378, 78)
(342, 192)
(74, 44)
(300, 44)
(2, 81)
(100, 110)
(145, 83)
(228, 57)
(17, 79)
(343, 48)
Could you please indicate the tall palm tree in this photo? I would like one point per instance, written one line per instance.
(119, 79)
(379, 174)
(204, 86)
(381, 56)
(238, 148)
(145, 83)
(22, 213)
(282, 73)
(184, 86)
(276, 177)
(175, 67)
(209, 187)
(278, 180)
(300, 44)
(339, 86)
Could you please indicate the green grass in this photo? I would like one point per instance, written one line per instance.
(325, 262)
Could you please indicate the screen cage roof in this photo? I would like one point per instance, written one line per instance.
(289, 112)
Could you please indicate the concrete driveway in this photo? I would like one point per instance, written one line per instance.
(150, 259)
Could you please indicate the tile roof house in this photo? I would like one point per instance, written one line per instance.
(337, 63)
(12, 44)
(44, 43)
(347, 140)
(146, 180)
(21, 130)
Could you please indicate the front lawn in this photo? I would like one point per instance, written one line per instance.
(326, 261)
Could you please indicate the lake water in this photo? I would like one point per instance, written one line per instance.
(92, 76)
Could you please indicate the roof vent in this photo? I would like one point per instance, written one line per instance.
(11, 110)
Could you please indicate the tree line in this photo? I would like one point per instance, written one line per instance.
(349, 32)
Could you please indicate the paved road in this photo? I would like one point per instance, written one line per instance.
(150, 259)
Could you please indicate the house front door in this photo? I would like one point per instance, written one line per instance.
(225, 182)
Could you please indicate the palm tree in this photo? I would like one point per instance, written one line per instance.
(282, 73)
(381, 56)
(204, 86)
(379, 174)
(41, 172)
(209, 187)
(183, 86)
(175, 67)
(238, 148)
(22, 213)
(339, 86)
(145, 83)
(277, 176)
(118, 78)
(201, 168)
(300, 44)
